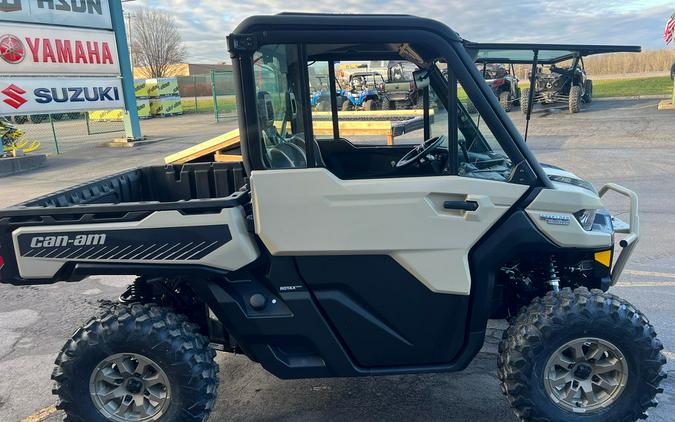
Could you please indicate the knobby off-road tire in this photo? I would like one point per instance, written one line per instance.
(370, 105)
(575, 99)
(346, 105)
(387, 104)
(524, 100)
(505, 100)
(552, 322)
(588, 91)
(323, 105)
(171, 349)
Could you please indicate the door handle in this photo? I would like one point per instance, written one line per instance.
(461, 205)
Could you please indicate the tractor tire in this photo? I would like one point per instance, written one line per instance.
(387, 104)
(38, 118)
(134, 362)
(505, 100)
(346, 105)
(370, 105)
(580, 342)
(524, 100)
(588, 91)
(516, 99)
(323, 105)
(575, 99)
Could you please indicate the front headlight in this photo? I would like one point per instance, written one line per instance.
(586, 218)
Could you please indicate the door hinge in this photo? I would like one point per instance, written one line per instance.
(239, 44)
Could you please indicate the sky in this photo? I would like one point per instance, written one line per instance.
(204, 24)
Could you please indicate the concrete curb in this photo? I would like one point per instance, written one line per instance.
(14, 165)
(635, 97)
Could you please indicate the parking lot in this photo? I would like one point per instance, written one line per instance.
(624, 141)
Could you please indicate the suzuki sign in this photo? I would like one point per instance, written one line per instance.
(43, 50)
(50, 95)
(82, 13)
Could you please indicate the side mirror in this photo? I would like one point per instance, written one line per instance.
(421, 79)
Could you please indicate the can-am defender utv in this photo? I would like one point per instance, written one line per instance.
(325, 258)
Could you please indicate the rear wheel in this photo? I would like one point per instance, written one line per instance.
(505, 100)
(575, 99)
(370, 105)
(136, 363)
(580, 356)
(323, 105)
(387, 104)
(588, 91)
(524, 100)
(346, 105)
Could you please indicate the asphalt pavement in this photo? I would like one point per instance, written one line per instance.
(628, 142)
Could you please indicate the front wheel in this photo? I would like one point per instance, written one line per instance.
(505, 100)
(575, 99)
(524, 100)
(136, 363)
(580, 356)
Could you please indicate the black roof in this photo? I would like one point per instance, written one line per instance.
(548, 53)
(349, 22)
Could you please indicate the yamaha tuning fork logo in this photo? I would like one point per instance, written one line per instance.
(11, 49)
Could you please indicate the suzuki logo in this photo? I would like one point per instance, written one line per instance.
(14, 93)
(11, 49)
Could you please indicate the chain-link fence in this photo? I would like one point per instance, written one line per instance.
(211, 93)
(56, 133)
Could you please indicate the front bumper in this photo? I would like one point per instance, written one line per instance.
(631, 229)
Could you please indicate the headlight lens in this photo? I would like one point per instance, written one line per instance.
(585, 218)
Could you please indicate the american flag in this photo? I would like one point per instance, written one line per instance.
(670, 28)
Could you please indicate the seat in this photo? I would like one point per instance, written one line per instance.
(282, 152)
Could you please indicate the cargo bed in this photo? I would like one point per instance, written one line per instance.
(171, 205)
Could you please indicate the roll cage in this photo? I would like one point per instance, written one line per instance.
(334, 38)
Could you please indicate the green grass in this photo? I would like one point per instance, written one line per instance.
(660, 85)
(205, 105)
(605, 88)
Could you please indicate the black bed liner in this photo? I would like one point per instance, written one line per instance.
(152, 188)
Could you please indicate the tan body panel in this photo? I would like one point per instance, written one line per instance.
(564, 201)
(310, 212)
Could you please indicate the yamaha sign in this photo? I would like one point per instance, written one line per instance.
(49, 95)
(51, 50)
(82, 13)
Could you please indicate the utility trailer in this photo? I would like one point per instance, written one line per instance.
(324, 258)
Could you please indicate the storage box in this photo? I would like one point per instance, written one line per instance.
(141, 88)
(166, 106)
(162, 87)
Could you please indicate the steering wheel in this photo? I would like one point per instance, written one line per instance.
(420, 151)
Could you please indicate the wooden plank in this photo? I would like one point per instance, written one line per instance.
(227, 140)
(221, 157)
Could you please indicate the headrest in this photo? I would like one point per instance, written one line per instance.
(265, 109)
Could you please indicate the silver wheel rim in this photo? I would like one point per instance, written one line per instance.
(129, 387)
(586, 375)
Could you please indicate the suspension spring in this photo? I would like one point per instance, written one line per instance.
(138, 291)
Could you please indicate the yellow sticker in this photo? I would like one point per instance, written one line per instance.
(604, 257)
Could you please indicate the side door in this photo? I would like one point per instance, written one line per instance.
(386, 258)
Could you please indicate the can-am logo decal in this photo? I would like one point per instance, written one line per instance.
(12, 49)
(556, 219)
(58, 241)
(14, 98)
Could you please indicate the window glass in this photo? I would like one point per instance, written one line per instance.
(480, 154)
(280, 119)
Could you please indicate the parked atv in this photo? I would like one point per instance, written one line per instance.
(365, 91)
(400, 92)
(320, 99)
(560, 87)
(318, 258)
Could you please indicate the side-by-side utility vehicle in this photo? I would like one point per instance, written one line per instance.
(321, 257)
